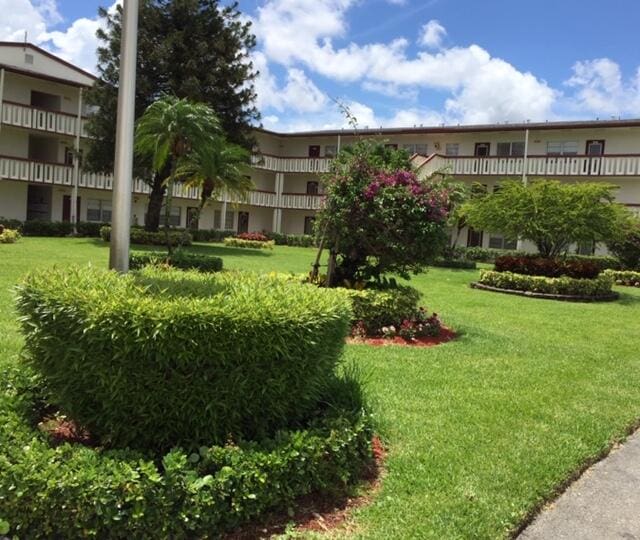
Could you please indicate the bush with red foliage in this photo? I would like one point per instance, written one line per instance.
(548, 267)
(254, 236)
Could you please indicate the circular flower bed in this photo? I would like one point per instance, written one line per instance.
(161, 357)
(627, 278)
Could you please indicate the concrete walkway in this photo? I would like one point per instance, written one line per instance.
(604, 503)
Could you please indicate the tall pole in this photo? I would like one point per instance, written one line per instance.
(525, 160)
(76, 166)
(123, 171)
(1, 94)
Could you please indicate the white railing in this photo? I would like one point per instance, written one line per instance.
(612, 165)
(301, 201)
(291, 164)
(25, 116)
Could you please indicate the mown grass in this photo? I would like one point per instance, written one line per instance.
(480, 431)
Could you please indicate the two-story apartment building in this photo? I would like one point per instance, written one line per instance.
(42, 136)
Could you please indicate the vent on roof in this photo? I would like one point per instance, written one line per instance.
(28, 58)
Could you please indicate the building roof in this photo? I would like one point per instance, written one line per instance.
(423, 130)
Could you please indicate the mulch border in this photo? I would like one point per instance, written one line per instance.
(446, 335)
(546, 296)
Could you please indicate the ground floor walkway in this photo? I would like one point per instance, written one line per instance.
(603, 504)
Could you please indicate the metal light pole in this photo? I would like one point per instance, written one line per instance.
(123, 170)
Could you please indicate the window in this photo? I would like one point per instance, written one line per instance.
(510, 149)
(482, 149)
(312, 188)
(174, 218)
(28, 58)
(595, 148)
(330, 150)
(415, 149)
(314, 150)
(497, 241)
(474, 238)
(217, 219)
(228, 220)
(68, 156)
(562, 148)
(452, 149)
(309, 222)
(98, 210)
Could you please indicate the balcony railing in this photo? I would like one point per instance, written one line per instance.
(301, 201)
(25, 116)
(608, 165)
(291, 164)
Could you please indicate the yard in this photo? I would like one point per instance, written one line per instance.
(480, 431)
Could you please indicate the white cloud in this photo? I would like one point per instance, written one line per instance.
(601, 88)
(20, 16)
(432, 34)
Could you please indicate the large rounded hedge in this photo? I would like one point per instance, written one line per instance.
(161, 357)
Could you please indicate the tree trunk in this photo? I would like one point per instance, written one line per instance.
(167, 207)
(154, 208)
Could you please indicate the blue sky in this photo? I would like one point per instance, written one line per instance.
(408, 62)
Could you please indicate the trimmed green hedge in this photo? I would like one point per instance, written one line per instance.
(600, 286)
(461, 264)
(142, 237)
(629, 278)
(211, 235)
(299, 240)
(73, 491)
(252, 244)
(375, 308)
(180, 259)
(39, 227)
(160, 357)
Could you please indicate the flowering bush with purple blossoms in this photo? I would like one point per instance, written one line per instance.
(379, 217)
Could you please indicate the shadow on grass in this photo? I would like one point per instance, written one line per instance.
(202, 249)
(627, 299)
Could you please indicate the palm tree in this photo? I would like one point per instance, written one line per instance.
(224, 166)
(169, 130)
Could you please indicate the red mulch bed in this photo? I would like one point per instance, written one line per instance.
(446, 334)
(62, 430)
(316, 513)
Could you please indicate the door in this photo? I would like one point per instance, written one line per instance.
(66, 208)
(312, 188)
(482, 149)
(474, 238)
(595, 148)
(39, 203)
(309, 222)
(314, 150)
(192, 213)
(243, 222)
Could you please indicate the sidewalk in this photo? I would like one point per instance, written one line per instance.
(603, 504)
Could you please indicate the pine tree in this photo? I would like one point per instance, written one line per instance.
(195, 49)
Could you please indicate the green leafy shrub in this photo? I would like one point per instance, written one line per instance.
(11, 223)
(486, 255)
(142, 237)
(628, 278)
(603, 262)
(160, 357)
(38, 227)
(546, 266)
(252, 244)
(626, 245)
(455, 263)
(299, 240)
(89, 229)
(72, 491)
(600, 286)
(178, 259)
(8, 236)
(374, 308)
(212, 235)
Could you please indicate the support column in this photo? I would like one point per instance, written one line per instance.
(1, 94)
(277, 214)
(525, 163)
(76, 166)
(223, 217)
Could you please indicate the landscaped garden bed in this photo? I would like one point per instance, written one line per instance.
(209, 399)
(178, 259)
(628, 278)
(254, 240)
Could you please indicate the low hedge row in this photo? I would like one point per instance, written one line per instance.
(299, 240)
(231, 241)
(39, 227)
(629, 278)
(179, 259)
(543, 266)
(211, 235)
(600, 286)
(73, 491)
(455, 263)
(140, 236)
(159, 357)
(374, 309)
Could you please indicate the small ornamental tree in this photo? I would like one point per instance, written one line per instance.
(626, 244)
(548, 213)
(378, 217)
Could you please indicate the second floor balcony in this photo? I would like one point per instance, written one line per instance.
(29, 117)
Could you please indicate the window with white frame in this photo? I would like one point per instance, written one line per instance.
(330, 150)
(98, 210)
(217, 219)
(562, 148)
(497, 241)
(510, 148)
(452, 149)
(415, 149)
(175, 215)
(228, 220)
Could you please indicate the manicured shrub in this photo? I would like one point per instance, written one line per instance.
(211, 235)
(479, 254)
(373, 308)
(140, 236)
(603, 262)
(162, 357)
(455, 263)
(72, 491)
(179, 259)
(252, 244)
(89, 229)
(47, 228)
(600, 286)
(8, 236)
(543, 266)
(298, 240)
(628, 278)
(11, 223)
(626, 245)
(254, 236)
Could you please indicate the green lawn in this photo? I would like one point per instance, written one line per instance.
(480, 431)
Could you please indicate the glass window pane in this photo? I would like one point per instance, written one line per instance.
(93, 210)
(421, 149)
(228, 220)
(554, 148)
(217, 219)
(570, 148)
(452, 149)
(504, 148)
(517, 149)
